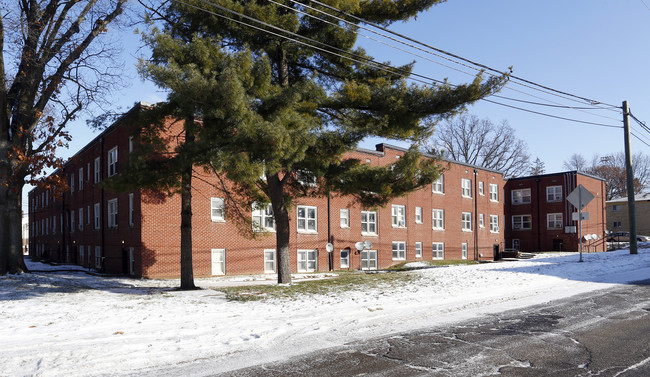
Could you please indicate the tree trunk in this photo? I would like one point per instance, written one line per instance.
(187, 270)
(282, 231)
(11, 245)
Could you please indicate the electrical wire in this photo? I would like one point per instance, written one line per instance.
(639, 139)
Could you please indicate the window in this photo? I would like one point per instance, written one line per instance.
(481, 221)
(616, 208)
(438, 216)
(81, 253)
(81, 179)
(53, 224)
(438, 250)
(112, 213)
(112, 162)
(88, 172)
(399, 250)
(369, 260)
(263, 218)
(306, 178)
(464, 251)
(88, 215)
(81, 218)
(345, 258)
(466, 185)
(368, 222)
(554, 221)
(554, 193)
(467, 221)
(307, 260)
(217, 209)
(269, 261)
(494, 223)
(97, 170)
(98, 256)
(131, 145)
(618, 224)
(438, 186)
(521, 222)
(494, 192)
(47, 226)
(131, 209)
(521, 196)
(480, 189)
(131, 261)
(399, 216)
(418, 215)
(515, 244)
(307, 219)
(72, 221)
(71, 183)
(218, 261)
(418, 249)
(345, 218)
(97, 218)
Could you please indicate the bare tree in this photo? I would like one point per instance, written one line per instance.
(576, 162)
(54, 62)
(480, 142)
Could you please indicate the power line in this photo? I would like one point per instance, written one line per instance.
(639, 139)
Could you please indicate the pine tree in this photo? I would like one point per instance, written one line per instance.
(539, 167)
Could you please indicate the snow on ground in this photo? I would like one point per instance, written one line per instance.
(74, 324)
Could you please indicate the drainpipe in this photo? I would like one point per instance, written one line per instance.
(330, 254)
(476, 215)
(101, 205)
(539, 224)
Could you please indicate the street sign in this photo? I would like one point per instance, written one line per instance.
(575, 216)
(580, 197)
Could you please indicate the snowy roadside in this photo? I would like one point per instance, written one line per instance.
(72, 323)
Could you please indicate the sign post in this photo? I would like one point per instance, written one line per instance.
(580, 197)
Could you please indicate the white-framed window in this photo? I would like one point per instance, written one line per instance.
(131, 210)
(307, 219)
(464, 250)
(81, 253)
(494, 192)
(263, 218)
(438, 249)
(521, 196)
(47, 226)
(418, 249)
(521, 222)
(418, 215)
(344, 215)
(438, 219)
(368, 222)
(112, 161)
(307, 261)
(618, 224)
(515, 244)
(553, 193)
(217, 209)
(399, 250)
(345, 258)
(494, 223)
(369, 259)
(71, 183)
(81, 218)
(467, 221)
(554, 221)
(398, 215)
(218, 261)
(438, 186)
(98, 256)
(616, 208)
(481, 221)
(466, 185)
(481, 190)
(81, 179)
(112, 213)
(269, 261)
(72, 220)
(97, 214)
(97, 170)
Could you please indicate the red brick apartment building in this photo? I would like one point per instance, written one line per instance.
(539, 218)
(460, 216)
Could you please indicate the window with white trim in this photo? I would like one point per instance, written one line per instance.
(81, 218)
(81, 253)
(521, 196)
(263, 219)
(554, 193)
(494, 192)
(131, 209)
(112, 213)
(81, 179)
(399, 250)
(344, 215)
(418, 215)
(481, 221)
(218, 261)
(369, 260)
(112, 161)
(217, 209)
(269, 261)
(494, 223)
(307, 260)
(97, 214)
(97, 170)
(464, 250)
(71, 183)
(72, 221)
(98, 256)
(398, 216)
(368, 222)
(554, 221)
(418, 249)
(481, 189)
(521, 222)
(438, 186)
(345, 258)
(47, 226)
(307, 219)
(438, 249)
(467, 221)
(466, 186)
(438, 219)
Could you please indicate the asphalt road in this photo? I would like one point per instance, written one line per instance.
(604, 333)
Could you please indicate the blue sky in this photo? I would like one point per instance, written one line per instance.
(592, 48)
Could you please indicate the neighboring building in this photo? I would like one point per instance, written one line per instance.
(458, 217)
(539, 218)
(618, 216)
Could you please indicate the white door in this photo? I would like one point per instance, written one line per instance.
(218, 261)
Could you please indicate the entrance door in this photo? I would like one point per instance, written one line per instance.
(557, 245)
(369, 260)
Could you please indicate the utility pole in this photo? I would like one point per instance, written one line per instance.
(630, 179)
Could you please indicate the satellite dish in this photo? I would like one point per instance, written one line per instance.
(367, 244)
(594, 236)
(329, 247)
(359, 245)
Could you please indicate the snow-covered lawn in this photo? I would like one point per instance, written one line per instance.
(75, 324)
